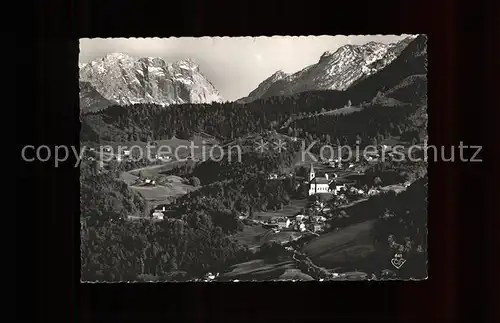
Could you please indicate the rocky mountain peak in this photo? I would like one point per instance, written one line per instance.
(336, 70)
(122, 79)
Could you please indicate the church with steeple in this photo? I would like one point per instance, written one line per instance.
(318, 184)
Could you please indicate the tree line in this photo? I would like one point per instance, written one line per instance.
(223, 120)
(368, 126)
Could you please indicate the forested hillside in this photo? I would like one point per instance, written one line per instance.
(250, 165)
(369, 126)
(403, 80)
(103, 197)
(136, 250)
(194, 241)
(223, 120)
(121, 242)
(113, 249)
(411, 61)
(400, 228)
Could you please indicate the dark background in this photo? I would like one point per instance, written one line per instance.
(463, 215)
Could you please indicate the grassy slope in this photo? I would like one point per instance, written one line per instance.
(256, 235)
(261, 269)
(340, 247)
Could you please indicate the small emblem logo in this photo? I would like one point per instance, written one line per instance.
(398, 261)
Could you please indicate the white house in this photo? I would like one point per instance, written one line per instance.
(163, 209)
(319, 218)
(300, 226)
(299, 217)
(318, 184)
(126, 153)
(338, 188)
(273, 176)
(164, 157)
(283, 222)
(210, 276)
(356, 190)
(158, 215)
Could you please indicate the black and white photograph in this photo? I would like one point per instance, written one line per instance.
(254, 159)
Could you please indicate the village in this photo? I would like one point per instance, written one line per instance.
(301, 176)
(331, 187)
(328, 187)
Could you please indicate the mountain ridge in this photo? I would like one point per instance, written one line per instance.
(121, 79)
(335, 70)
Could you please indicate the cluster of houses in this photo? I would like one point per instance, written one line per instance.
(383, 150)
(209, 276)
(316, 220)
(281, 176)
(337, 163)
(125, 154)
(158, 214)
(301, 222)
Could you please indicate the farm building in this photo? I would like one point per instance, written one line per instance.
(283, 223)
(158, 215)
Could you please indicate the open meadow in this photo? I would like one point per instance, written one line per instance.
(160, 194)
(288, 210)
(171, 188)
(256, 235)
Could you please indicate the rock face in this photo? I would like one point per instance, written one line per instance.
(91, 100)
(120, 79)
(404, 78)
(334, 71)
(263, 87)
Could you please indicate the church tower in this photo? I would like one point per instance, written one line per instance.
(311, 173)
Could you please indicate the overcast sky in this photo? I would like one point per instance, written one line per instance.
(236, 65)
